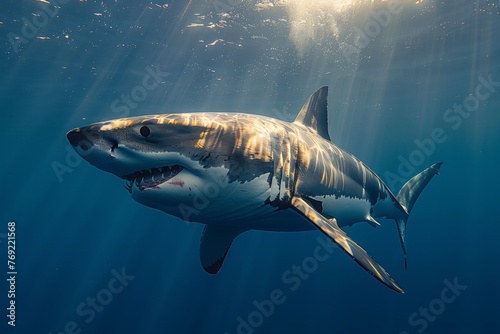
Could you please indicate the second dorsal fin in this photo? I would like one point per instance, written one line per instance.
(314, 113)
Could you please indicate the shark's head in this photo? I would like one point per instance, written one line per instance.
(163, 158)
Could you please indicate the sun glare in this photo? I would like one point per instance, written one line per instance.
(311, 21)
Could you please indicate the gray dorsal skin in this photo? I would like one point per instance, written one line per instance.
(314, 113)
(214, 244)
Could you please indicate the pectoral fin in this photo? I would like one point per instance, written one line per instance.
(214, 245)
(333, 231)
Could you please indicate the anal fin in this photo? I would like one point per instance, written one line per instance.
(214, 245)
(333, 231)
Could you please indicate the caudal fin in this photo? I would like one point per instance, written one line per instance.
(408, 195)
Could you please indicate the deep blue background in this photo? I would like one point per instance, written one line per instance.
(73, 231)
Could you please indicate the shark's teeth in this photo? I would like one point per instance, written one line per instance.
(151, 178)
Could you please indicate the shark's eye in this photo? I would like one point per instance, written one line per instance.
(145, 132)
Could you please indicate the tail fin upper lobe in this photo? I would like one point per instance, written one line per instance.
(408, 195)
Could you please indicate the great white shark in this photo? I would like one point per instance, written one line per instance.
(261, 173)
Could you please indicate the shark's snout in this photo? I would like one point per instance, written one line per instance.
(127, 152)
(99, 150)
(78, 139)
(86, 138)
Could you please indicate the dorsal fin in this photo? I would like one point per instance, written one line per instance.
(314, 113)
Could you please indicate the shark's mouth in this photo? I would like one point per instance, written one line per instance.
(151, 178)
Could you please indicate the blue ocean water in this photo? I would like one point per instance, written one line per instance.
(411, 83)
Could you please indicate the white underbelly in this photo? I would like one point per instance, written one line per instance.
(346, 210)
(244, 204)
